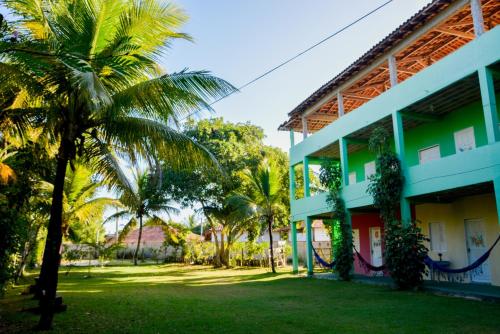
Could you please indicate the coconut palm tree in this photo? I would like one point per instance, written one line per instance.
(143, 198)
(265, 196)
(87, 70)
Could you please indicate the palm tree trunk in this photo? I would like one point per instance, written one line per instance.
(270, 228)
(28, 248)
(52, 255)
(136, 254)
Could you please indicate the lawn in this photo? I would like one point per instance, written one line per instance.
(188, 299)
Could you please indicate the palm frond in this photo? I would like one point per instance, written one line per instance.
(131, 225)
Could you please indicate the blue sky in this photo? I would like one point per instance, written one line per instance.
(239, 40)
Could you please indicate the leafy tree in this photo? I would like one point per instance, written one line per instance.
(331, 178)
(142, 198)
(237, 147)
(404, 251)
(23, 206)
(265, 197)
(229, 221)
(88, 72)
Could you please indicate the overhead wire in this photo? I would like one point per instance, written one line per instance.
(301, 53)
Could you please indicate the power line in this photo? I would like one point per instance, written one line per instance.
(297, 55)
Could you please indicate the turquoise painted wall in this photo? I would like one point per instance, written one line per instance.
(442, 132)
(428, 134)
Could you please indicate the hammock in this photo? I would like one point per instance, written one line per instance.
(321, 262)
(367, 265)
(434, 265)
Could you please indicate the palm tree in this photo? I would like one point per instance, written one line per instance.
(265, 196)
(81, 203)
(142, 198)
(87, 70)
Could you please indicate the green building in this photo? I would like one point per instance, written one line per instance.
(434, 84)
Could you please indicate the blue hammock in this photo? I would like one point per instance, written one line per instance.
(434, 265)
(366, 264)
(322, 262)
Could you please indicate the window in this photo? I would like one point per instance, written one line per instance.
(352, 177)
(464, 140)
(369, 169)
(429, 154)
(438, 241)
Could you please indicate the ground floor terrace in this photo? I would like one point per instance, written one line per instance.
(200, 299)
(461, 225)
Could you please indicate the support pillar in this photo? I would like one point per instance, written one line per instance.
(489, 104)
(477, 17)
(295, 251)
(305, 130)
(340, 104)
(292, 183)
(309, 252)
(393, 70)
(292, 138)
(496, 185)
(344, 163)
(397, 123)
(307, 191)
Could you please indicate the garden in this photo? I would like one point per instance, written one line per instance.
(176, 298)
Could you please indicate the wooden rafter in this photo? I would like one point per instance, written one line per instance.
(457, 33)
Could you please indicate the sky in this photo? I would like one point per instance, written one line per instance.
(240, 40)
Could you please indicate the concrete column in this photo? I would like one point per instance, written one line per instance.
(496, 185)
(295, 251)
(477, 17)
(397, 123)
(292, 183)
(489, 104)
(393, 70)
(305, 130)
(307, 191)
(344, 161)
(340, 103)
(309, 252)
(292, 138)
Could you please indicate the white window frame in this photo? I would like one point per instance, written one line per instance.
(369, 164)
(351, 176)
(469, 130)
(443, 244)
(428, 148)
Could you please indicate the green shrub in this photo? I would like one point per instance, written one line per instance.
(405, 254)
(331, 178)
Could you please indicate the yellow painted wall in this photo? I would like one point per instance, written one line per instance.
(453, 216)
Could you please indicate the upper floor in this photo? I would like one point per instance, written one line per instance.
(438, 30)
(444, 123)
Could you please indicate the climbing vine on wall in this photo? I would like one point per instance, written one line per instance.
(331, 178)
(404, 251)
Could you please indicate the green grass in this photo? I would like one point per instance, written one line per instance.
(187, 299)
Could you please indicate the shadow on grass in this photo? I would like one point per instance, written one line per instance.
(192, 299)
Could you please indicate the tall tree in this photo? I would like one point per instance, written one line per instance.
(266, 196)
(236, 147)
(142, 198)
(88, 70)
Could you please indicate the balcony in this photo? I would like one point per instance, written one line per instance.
(482, 52)
(477, 166)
